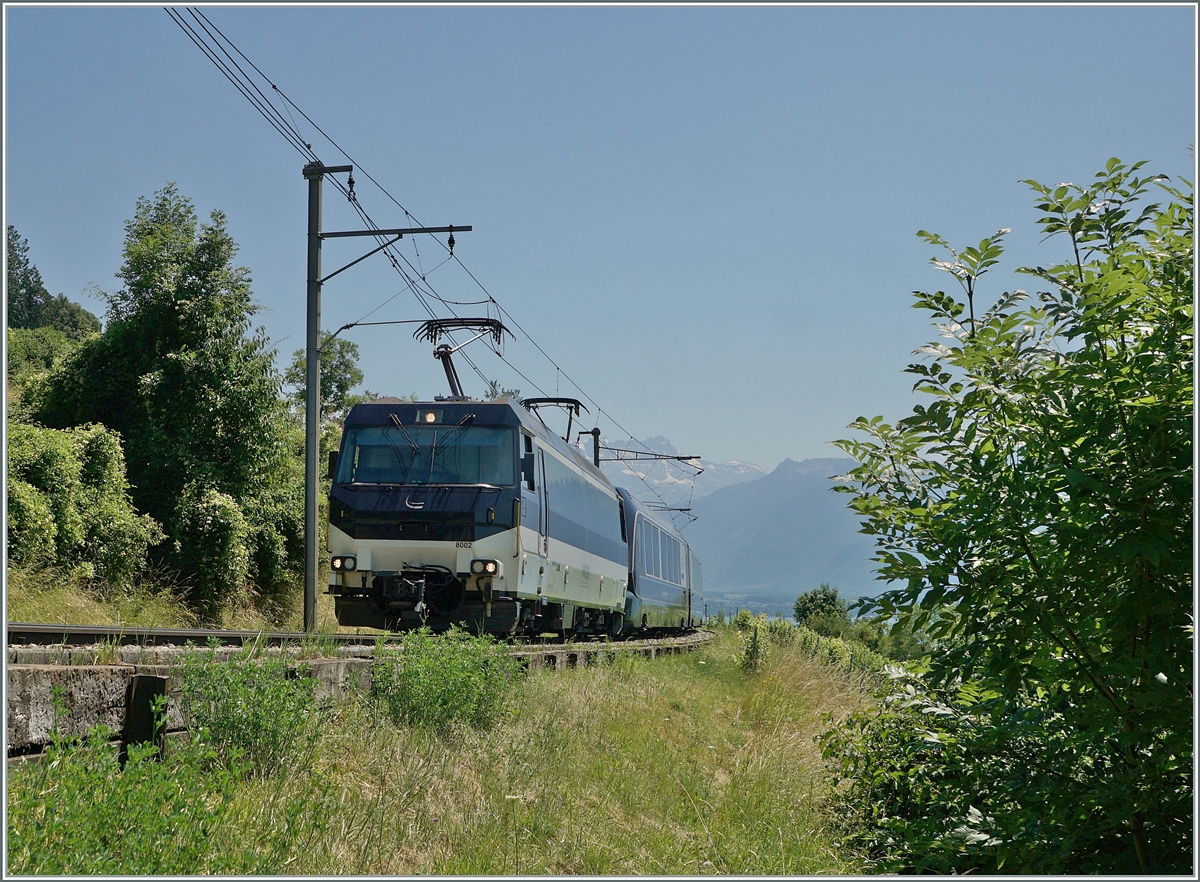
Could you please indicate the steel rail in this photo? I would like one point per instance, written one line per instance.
(40, 634)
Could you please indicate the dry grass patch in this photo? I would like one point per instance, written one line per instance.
(678, 766)
(54, 597)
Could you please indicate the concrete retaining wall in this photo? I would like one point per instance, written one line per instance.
(117, 695)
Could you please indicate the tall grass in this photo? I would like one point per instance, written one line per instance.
(40, 594)
(37, 594)
(682, 765)
(252, 712)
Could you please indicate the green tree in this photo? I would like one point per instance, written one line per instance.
(1043, 502)
(69, 506)
(822, 610)
(191, 388)
(30, 305)
(339, 374)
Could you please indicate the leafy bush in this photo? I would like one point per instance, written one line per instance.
(276, 532)
(954, 781)
(781, 632)
(1044, 493)
(214, 553)
(32, 354)
(822, 610)
(32, 530)
(78, 812)
(755, 649)
(252, 712)
(848, 655)
(438, 682)
(898, 640)
(744, 620)
(69, 503)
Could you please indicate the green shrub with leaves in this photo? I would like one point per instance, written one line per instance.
(217, 552)
(79, 812)
(441, 681)
(781, 632)
(191, 387)
(69, 505)
(33, 353)
(822, 610)
(849, 655)
(743, 621)
(897, 639)
(1044, 494)
(955, 780)
(755, 650)
(256, 716)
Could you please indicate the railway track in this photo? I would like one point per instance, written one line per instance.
(32, 633)
(38, 634)
(109, 675)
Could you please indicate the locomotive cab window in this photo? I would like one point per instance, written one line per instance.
(419, 454)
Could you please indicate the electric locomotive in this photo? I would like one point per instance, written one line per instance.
(472, 512)
(475, 513)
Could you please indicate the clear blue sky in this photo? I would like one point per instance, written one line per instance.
(706, 216)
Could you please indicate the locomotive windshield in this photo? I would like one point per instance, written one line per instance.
(399, 454)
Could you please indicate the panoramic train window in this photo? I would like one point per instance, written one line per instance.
(658, 553)
(427, 455)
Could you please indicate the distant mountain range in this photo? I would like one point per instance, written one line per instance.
(673, 481)
(763, 539)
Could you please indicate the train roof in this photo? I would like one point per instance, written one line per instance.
(496, 412)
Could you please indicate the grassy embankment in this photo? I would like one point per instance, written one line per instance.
(54, 597)
(681, 765)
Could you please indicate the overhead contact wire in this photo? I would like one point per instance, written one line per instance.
(194, 36)
(291, 134)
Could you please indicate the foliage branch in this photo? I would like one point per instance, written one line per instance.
(1037, 513)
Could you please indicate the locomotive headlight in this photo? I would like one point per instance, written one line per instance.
(485, 567)
(344, 563)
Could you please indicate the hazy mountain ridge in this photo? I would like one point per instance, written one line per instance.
(673, 481)
(763, 538)
(764, 542)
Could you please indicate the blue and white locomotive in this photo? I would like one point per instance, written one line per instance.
(475, 513)
(459, 511)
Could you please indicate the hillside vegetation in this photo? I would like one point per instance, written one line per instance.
(1036, 515)
(683, 765)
